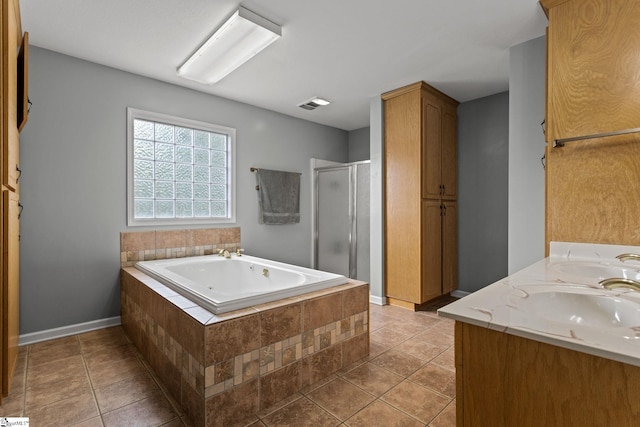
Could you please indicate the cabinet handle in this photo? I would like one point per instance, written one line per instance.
(444, 210)
(19, 173)
(20, 211)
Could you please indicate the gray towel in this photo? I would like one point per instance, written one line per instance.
(278, 196)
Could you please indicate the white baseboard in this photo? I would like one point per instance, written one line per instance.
(459, 294)
(377, 300)
(65, 331)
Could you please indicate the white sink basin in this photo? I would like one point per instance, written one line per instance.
(593, 309)
(592, 272)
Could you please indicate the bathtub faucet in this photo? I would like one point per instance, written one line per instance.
(239, 252)
(225, 253)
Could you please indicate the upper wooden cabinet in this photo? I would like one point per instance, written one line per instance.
(420, 152)
(593, 68)
(593, 88)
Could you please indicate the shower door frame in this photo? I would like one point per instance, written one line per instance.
(353, 211)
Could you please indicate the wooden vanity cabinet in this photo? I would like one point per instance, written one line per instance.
(420, 148)
(506, 380)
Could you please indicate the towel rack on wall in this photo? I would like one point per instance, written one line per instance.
(254, 169)
(562, 141)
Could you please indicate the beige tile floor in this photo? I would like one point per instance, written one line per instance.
(99, 379)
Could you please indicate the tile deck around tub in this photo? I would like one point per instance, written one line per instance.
(68, 381)
(220, 366)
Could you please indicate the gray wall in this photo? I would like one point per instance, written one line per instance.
(483, 155)
(73, 154)
(526, 147)
(376, 225)
(359, 145)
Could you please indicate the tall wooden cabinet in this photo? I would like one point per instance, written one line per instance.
(420, 150)
(14, 84)
(593, 88)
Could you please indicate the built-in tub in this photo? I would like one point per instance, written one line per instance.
(222, 284)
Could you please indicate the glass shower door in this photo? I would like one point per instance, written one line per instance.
(334, 220)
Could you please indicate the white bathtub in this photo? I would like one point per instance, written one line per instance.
(224, 284)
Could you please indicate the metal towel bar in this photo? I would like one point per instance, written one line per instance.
(561, 142)
(252, 169)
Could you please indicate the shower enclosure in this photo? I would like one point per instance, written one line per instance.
(341, 225)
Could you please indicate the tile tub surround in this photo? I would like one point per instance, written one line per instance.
(570, 270)
(160, 244)
(223, 368)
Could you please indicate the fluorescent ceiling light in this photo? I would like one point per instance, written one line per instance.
(241, 37)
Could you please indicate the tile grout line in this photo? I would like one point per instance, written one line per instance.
(441, 411)
(165, 393)
(148, 371)
(86, 371)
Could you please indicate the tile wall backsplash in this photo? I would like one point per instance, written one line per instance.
(160, 244)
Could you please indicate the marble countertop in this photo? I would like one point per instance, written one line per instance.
(559, 301)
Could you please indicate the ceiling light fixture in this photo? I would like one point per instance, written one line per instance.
(321, 101)
(240, 38)
(314, 103)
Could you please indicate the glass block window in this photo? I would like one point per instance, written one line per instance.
(180, 171)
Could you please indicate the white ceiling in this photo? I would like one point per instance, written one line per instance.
(344, 50)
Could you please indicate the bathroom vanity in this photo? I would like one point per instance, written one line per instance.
(549, 346)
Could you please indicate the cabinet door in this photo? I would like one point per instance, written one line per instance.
(10, 287)
(594, 49)
(431, 148)
(402, 196)
(10, 150)
(449, 246)
(431, 250)
(449, 153)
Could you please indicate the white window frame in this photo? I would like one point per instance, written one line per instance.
(133, 114)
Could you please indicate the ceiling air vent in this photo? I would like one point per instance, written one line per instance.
(309, 105)
(314, 103)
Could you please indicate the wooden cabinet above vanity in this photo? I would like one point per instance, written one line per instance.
(593, 88)
(593, 67)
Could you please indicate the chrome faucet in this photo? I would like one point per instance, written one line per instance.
(620, 283)
(628, 257)
(225, 253)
